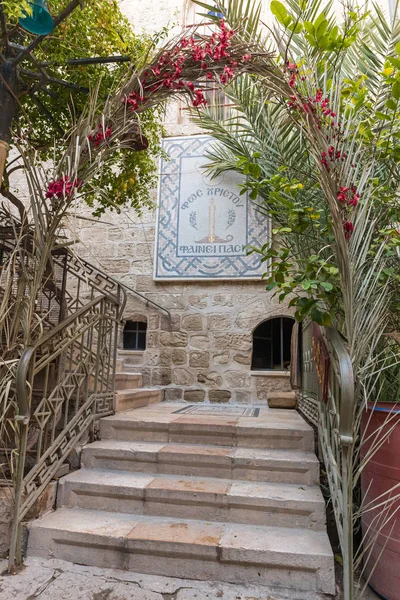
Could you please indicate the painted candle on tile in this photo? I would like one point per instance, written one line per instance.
(204, 226)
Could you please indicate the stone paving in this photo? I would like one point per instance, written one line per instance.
(60, 580)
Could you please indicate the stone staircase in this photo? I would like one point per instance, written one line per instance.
(227, 493)
(129, 393)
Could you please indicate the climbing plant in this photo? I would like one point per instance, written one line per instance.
(316, 139)
(106, 126)
(98, 30)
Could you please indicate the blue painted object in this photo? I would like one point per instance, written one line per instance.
(40, 22)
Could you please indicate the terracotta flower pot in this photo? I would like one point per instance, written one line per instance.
(381, 474)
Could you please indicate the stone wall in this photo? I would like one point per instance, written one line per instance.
(6, 512)
(202, 351)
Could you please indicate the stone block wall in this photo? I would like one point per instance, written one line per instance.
(202, 350)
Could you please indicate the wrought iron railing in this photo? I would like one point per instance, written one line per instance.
(64, 381)
(327, 399)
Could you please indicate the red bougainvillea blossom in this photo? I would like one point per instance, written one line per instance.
(334, 155)
(199, 99)
(100, 135)
(62, 187)
(168, 72)
(348, 229)
(319, 110)
(348, 195)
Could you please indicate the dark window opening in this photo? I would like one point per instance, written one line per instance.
(135, 335)
(271, 345)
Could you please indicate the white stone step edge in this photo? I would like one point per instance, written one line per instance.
(125, 381)
(283, 557)
(285, 466)
(136, 398)
(154, 429)
(270, 504)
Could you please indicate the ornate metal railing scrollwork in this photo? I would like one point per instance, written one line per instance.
(330, 405)
(64, 382)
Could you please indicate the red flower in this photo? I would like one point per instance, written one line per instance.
(342, 194)
(291, 67)
(100, 135)
(62, 187)
(135, 98)
(200, 99)
(348, 229)
(229, 72)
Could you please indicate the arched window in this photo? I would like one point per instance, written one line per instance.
(135, 335)
(271, 344)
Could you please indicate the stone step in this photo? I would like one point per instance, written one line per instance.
(282, 400)
(283, 557)
(128, 381)
(166, 423)
(275, 466)
(254, 503)
(118, 365)
(136, 398)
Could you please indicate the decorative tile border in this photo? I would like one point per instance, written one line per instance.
(225, 411)
(204, 225)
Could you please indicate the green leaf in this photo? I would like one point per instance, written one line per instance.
(391, 104)
(319, 20)
(396, 90)
(308, 26)
(311, 40)
(254, 170)
(321, 29)
(322, 318)
(397, 47)
(296, 27)
(328, 287)
(394, 61)
(280, 12)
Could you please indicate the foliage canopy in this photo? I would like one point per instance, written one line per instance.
(98, 30)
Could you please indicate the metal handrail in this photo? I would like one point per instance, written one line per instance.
(131, 289)
(335, 421)
(24, 413)
(66, 322)
(122, 284)
(348, 399)
(20, 384)
(128, 287)
(24, 361)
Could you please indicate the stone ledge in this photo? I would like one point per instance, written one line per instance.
(270, 373)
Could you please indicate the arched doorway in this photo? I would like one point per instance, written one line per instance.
(271, 344)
